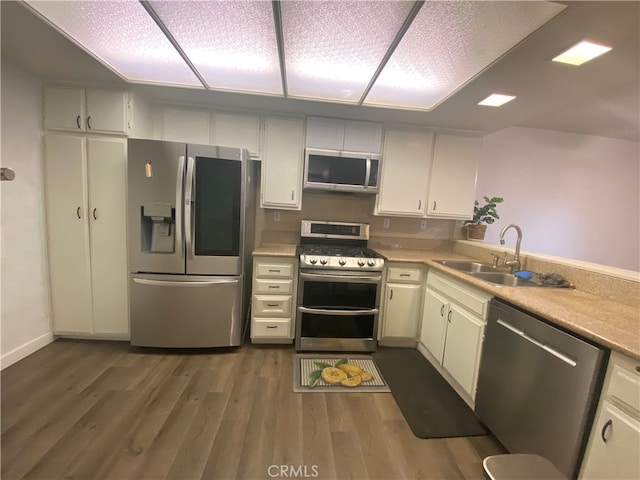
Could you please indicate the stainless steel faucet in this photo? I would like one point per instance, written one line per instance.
(514, 265)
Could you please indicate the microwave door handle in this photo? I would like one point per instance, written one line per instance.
(178, 226)
(367, 174)
(188, 207)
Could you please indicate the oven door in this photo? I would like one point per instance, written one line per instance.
(337, 311)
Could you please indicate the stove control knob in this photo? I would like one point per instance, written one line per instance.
(342, 262)
(313, 260)
(371, 262)
(360, 262)
(323, 261)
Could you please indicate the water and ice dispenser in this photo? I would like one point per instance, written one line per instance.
(158, 228)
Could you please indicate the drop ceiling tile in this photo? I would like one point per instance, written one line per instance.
(121, 35)
(333, 48)
(449, 44)
(231, 43)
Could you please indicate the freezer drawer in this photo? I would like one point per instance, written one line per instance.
(185, 310)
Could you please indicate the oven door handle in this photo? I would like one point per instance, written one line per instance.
(326, 311)
(340, 278)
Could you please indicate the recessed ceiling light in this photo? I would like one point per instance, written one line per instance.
(496, 100)
(581, 53)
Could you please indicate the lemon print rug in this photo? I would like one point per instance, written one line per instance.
(337, 373)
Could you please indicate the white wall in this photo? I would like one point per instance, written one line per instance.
(24, 282)
(575, 196)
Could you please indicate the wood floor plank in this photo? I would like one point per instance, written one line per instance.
(156, 461)
(316, 435)
(109, 411)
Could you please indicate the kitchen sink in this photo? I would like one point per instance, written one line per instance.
(501, 278)
(486, 272)
(467, 266)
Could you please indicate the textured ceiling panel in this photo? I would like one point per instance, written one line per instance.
(448, 44)
(123, 36)
(333, 49)
(232, 43)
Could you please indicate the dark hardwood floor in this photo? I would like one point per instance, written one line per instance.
(105, 410)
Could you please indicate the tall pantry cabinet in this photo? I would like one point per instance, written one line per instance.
(85, 191)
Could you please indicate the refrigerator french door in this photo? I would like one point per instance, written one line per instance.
(187, 207)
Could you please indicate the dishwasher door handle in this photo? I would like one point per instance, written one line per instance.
(556, 353)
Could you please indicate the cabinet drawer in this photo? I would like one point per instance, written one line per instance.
(272, 305)
(271, 327)
(475, 301)
(413, 275)
(625, 386)
(273, 286)
(274, 270)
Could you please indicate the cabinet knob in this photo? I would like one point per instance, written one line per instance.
(95, 211)
(449, 316)
(89, 122)
(78, 212)
(434, 205)
(419, 204)
(442, 310)
(391, 294)
(78, 121)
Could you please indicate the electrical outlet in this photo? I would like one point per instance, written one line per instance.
(386, 223)
(423, 224)
(276, 216)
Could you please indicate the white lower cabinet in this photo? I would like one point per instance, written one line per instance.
(401, 304)
(85, 208)
(273, 299)
(454, 317)
(614, 443)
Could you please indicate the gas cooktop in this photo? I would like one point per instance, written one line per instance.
(337, 245)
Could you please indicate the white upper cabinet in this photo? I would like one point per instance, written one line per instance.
(281, 172)
(185, 125)
(405, 173)
(236, 130)
(452, 183)
(86, 110)
(338, 134)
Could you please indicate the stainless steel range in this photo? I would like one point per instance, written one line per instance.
(338, 288)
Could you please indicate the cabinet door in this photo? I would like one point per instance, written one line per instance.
(231, 130)
(462, 348)
(402, 310)
(189, 126)
(106, 111)
(452, 184)
(106, 169)
(282, 163)
(325, 133)
(67, 233)
(617, 457)
(362, 136)
(64, 109)
(405, 171)
(434, 323)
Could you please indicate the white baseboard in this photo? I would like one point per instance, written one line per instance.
(25, 350)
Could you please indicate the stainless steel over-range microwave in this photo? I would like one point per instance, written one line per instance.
(341, 171)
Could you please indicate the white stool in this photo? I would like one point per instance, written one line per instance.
(520, 466)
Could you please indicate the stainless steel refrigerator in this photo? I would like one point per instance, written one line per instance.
(190, 234)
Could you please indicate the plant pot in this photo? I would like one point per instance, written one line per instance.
(475, 232)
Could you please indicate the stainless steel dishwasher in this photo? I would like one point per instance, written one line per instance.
(537, 386)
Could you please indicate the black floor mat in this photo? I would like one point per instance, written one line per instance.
(431, 407)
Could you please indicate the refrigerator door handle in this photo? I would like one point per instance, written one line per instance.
(188, 204)
(179, 196)
(192, 283)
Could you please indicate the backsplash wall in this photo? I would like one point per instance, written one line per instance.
(402, 232)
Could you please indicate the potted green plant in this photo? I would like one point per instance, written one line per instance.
(474, 228)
